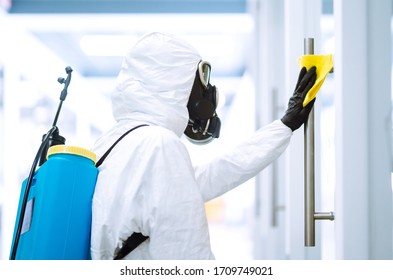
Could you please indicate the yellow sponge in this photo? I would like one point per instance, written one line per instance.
(324, 64)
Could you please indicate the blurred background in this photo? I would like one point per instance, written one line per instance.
(253, 46)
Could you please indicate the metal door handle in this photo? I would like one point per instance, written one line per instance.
(309, 172)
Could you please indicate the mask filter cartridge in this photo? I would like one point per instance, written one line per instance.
(204, 125)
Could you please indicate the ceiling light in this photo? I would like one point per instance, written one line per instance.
(107, 45)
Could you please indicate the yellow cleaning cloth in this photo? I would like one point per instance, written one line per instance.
(324, 64)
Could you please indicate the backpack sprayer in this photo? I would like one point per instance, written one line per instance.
(54, 213)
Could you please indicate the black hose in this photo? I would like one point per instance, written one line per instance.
(44, 144)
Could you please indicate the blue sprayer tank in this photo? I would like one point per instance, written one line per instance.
(57, 220)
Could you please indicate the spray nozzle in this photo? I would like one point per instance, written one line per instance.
(66, 83)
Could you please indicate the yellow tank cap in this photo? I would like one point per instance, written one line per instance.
(63, 149)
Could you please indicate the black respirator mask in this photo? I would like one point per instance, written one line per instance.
(203, 124)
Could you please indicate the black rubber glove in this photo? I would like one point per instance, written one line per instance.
(296, 114)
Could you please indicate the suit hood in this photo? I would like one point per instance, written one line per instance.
(155, 82)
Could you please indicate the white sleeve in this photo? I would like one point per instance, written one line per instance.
(244, 162)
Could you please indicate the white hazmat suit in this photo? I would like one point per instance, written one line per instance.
(147, 183)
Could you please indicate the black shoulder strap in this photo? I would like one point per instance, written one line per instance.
(130, 244)
(101, 160)
(136, 238)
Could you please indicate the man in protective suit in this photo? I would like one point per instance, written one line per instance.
(147, 183)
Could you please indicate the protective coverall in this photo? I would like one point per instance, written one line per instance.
(147, 183)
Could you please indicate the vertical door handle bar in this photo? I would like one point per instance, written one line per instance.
(309, 172)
